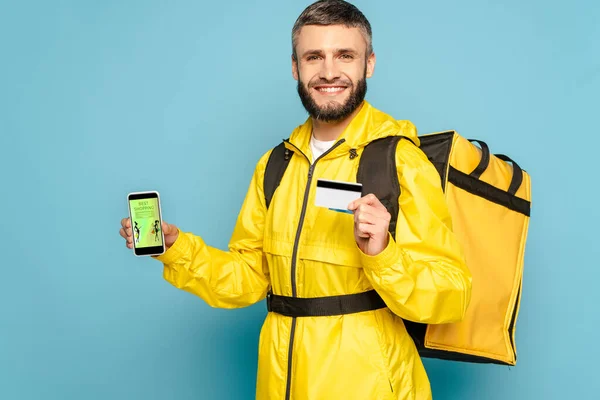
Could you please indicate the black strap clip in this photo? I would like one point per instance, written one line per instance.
(269, 301)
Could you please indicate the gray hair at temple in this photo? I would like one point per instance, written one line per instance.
(333, 12)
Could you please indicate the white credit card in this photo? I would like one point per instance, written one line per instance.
(337, 195)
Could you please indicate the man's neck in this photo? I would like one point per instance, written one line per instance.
(328, 131)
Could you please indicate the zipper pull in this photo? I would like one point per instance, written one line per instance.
(311, 169)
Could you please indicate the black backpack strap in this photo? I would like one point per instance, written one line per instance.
(378, 174)
(517, 178)
(324, 306)
(485, 159)
(276, 166)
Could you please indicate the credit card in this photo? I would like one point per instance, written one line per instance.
(337, 195)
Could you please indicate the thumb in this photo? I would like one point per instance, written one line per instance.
(169, 229)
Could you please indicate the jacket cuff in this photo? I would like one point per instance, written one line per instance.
(176, 251)
(387, 258)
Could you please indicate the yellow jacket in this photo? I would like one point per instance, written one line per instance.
(421, 275)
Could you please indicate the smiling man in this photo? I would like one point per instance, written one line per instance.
(333, 82)
(338, 285)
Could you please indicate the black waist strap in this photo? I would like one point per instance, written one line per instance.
(324, 306)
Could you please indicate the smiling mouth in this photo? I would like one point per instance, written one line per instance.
(330, 90)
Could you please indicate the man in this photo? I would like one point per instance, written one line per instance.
(297, 250)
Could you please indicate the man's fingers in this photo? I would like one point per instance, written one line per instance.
(364, 217)
(370, 200)
(126, 232)
(366, 230)
(361, 208)
(128, 238)
(368, 213)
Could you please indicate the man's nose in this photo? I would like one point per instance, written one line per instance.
(329, 69)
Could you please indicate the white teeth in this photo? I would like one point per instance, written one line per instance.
(331, 90)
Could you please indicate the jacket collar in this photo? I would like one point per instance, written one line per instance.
(369, 124)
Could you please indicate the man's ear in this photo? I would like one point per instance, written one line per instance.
(371, 65)
(294, 68)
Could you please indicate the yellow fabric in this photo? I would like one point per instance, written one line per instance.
(493, 237)
(422, 275)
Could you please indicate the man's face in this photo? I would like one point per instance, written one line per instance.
(331, 70)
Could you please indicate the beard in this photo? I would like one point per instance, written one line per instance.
(333, 111)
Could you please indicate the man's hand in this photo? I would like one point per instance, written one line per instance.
(171, 233)
(371, 224)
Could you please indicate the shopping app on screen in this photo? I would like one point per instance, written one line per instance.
(145, 223)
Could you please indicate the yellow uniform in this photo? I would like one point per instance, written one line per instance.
(294, 248)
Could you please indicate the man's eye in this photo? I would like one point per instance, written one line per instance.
(311, 58)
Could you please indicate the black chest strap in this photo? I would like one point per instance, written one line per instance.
(324, 306)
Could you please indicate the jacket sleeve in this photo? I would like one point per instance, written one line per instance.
(422, 275)
(225, 279)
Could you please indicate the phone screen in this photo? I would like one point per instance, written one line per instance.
(146, 223)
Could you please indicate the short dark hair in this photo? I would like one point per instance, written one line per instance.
(333, 12)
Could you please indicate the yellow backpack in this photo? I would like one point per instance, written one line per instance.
(490, 201)
(489, 198)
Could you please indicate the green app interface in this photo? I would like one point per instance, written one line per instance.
(145, 222)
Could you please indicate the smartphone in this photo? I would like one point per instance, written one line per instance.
(146, 223)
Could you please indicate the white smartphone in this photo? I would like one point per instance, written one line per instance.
(146, 223)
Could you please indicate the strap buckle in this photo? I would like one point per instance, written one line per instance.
(269, 300)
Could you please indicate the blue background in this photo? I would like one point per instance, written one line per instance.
(101, 98)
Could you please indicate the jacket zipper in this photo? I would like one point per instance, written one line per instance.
(311, 169)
